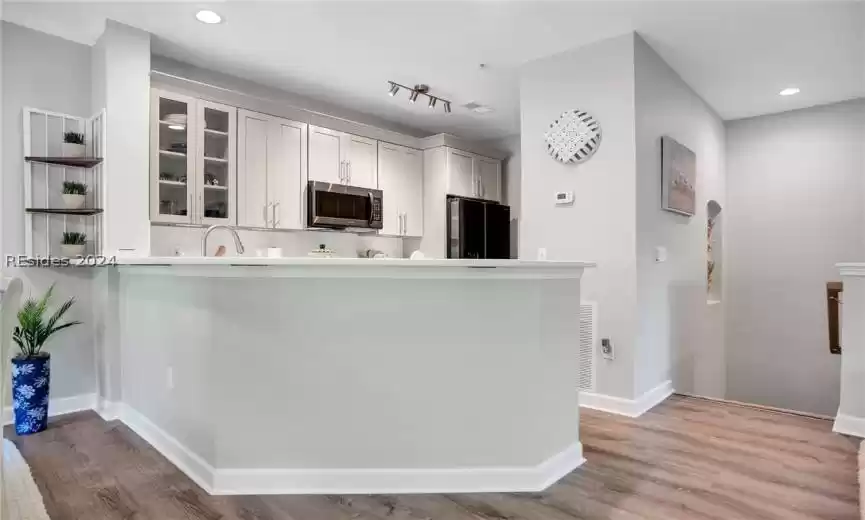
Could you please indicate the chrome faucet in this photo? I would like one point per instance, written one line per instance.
(237, 243)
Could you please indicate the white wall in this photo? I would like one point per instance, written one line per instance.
(851, 408)
(795, 208)
(674, 339)
(600, 226)
(121, 79)
(49, 73)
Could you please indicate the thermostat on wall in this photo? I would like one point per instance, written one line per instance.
(564, 198)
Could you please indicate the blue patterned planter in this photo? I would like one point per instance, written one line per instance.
(30, 382)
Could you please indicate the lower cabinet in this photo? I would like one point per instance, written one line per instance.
(271, 173)
(400, 178)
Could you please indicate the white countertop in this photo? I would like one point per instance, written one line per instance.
(344, 262)
(304, 267)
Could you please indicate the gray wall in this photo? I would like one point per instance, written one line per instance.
(675, 339)
(48, 73)
(599, 227)
(795, 208)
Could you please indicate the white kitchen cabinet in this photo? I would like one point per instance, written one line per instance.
(460, 174)
(488, 175)
(341, 158)
(361, 161)
(471, 175)
(271, 165)
(326, 155)
(192, 160)
(400, 177)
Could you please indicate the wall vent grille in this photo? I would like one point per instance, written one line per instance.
(587, 350)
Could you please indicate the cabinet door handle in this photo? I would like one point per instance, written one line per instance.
(199, 211)
(264, 213)
(341, 164)
(267, 220)
(399, 223)
(348, 165)
(275, 214)
(405, 224)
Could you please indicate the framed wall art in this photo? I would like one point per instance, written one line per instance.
(678, 177)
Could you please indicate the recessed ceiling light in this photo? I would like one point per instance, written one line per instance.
(208, 17)
(789, 91)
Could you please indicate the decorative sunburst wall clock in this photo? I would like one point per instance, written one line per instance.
(573, 137)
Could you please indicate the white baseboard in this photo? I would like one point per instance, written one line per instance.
(627, 407)
(108, 410)
(59, 406)
(196, 468)
(324, 481)
(394, 481)
(351, 481)
(849, 425)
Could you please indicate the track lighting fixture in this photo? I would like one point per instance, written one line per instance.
(419, 90)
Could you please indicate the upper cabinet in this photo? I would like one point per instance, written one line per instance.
(400, 177)
(271, 171)
(471, 175)
(192, 161)
(341, 158)
(488, 173)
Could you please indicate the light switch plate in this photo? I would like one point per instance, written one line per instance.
(542, 253)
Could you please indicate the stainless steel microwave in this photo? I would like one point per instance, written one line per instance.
(340, 206)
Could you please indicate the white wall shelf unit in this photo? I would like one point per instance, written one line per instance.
(45, 171)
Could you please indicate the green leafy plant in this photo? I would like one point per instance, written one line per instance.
(74, 238)
(74, 188)
(73, 138)
(33, 330)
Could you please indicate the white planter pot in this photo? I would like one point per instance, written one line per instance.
(72, 150)
(73, 201)
(71, 250)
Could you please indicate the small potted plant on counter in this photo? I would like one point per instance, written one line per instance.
(73, 244)
(74, 194)
(31, 368)
(73, 144)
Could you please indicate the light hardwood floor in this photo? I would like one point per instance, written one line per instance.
(687, 459)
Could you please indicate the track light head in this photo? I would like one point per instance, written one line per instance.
(432, 102)
(394, 88)
(447, 107)
(413, 96)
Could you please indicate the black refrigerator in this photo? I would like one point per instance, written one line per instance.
(478, 228)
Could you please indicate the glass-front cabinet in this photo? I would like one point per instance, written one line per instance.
(192, 161)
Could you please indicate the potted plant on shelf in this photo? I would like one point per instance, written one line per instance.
(31, 368)
(73, 144)
(73, 244)
(74, 194)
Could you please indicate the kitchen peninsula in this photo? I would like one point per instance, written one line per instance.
(302, 375)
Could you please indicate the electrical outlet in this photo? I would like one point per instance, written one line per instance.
(542, 253)
(607, 348)
(169, 378)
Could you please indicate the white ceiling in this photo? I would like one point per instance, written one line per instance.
(737, 55)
